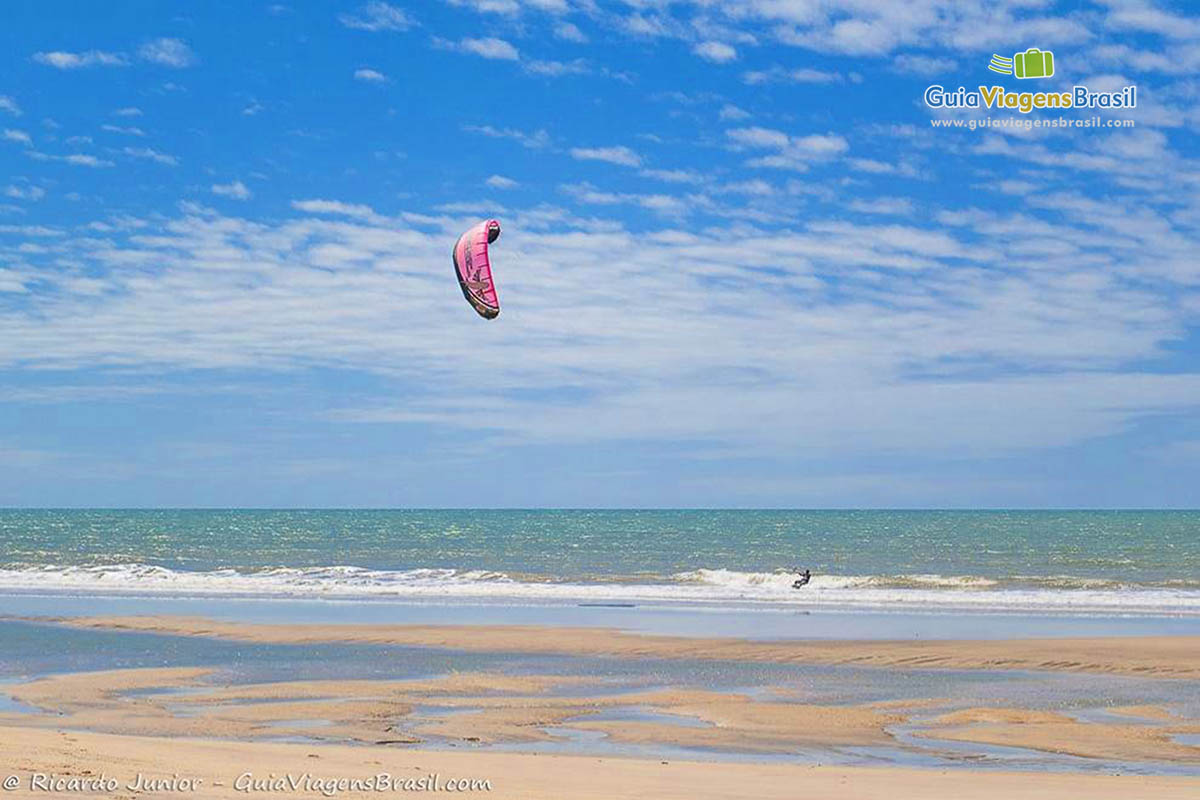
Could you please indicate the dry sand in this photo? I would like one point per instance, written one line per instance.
(1145, 656)
(216, 766)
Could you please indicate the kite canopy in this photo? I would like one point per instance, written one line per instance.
(474, 270)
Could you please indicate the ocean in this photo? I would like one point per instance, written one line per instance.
(1109, 562)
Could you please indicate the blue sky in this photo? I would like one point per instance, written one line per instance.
(740, 267)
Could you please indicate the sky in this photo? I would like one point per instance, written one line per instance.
(743, 263)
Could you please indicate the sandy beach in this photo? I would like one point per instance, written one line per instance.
(219, 768)
(223, 769)
(528, 733)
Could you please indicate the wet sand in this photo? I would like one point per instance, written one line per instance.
(1143, 656)
(1054, 732)
(195, 722)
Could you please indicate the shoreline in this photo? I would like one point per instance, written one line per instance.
(1152, 657)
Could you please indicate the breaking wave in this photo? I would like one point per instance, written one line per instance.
(701, 587)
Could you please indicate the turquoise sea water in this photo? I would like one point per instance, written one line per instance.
(1079, 560)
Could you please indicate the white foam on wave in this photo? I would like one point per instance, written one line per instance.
(702, 586)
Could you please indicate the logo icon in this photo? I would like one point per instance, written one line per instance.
(1033, 63)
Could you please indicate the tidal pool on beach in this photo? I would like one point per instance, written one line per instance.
(617, 705)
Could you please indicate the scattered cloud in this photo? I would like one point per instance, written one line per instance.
(370, 76)
(151, 154)
(128, 111)
(21, 137)
(356, 210)
(620, 155)
(781, 75)
(555, 69)
(92, 58)
(237, 190)
(75, 159)
(732, 112)
(24, 192)
(126, 131)
(923, 65)
(717, 52)
(794, 152)
(377, 16)
(895, 206)
(664, 204)
(673, 175)
(569, 32)
(501, 182)
(9, 105)
(534, 141)
(168, 52)
(491, 48)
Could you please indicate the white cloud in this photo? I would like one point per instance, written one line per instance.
(127, 131)
(926, 66)
(237, 190)
(664, 204)
(894, 206)
(781, 75)
(75, 159)
(759, 137)
(151, 154)
(370, 76)
(9, 105)
(490, 47)
(91, 58)
(621, 155)
(556, 69)
(501, 182)
(794, 152)
(534, 141)
(718, 52)
(569, 32)
(128, 111)
(335, 207)
(901, 360)
(513, 7)
(24, 192)
(21, 137)
(732, 112)
(377, 16)
(1138, 17)
(673, 175)
(168, 52)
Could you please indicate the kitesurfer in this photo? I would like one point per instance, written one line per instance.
(803, 580)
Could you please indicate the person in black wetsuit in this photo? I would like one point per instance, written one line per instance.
(803, 580)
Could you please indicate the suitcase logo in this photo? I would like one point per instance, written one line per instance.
(1033, 63)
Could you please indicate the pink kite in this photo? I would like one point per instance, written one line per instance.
(474, 270)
